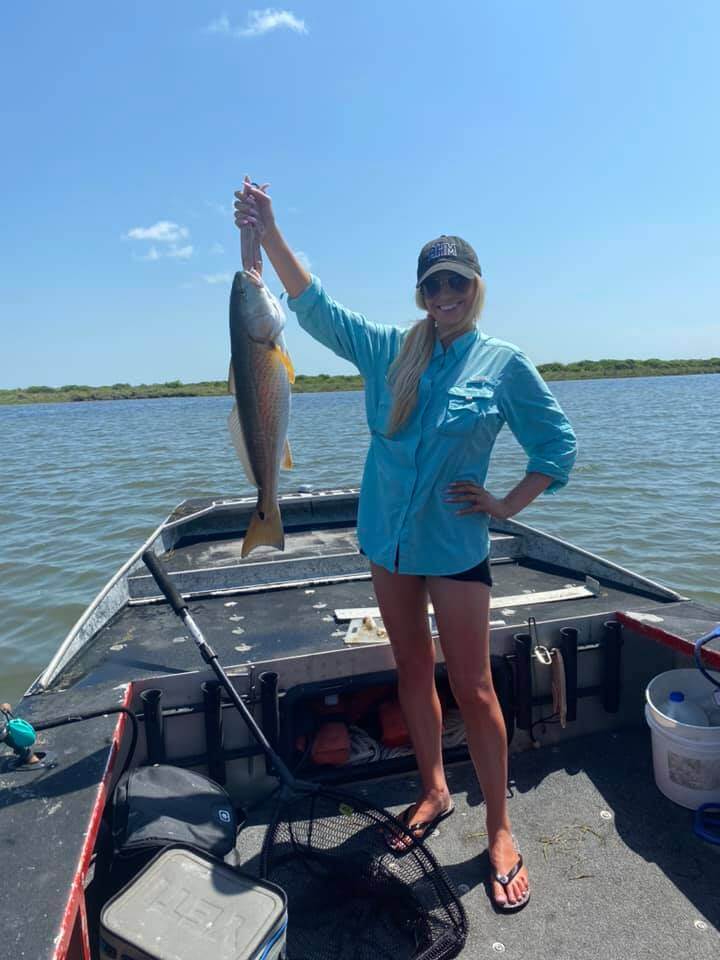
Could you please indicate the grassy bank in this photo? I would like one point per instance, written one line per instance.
(581, 370)
(171, 388)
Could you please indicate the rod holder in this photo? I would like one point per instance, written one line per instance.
(523, 680)
(212, 701)
(568, 648)
(270, 711)
(612, 647)
(154, 725)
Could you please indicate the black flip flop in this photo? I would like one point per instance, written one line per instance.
(425, 827)
(505, 879)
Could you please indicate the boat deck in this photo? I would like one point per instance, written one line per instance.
(637, 883)
(270, 606)
(615, 867)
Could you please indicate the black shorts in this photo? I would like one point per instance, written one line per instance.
(477, 574)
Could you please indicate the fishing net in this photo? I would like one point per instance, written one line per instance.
(349, 896)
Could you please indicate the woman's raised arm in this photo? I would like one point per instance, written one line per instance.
(253, 207)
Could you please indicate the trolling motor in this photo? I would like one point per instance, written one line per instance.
(19, 735)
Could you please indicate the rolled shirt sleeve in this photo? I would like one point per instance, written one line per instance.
(350, 335)
(537, 421)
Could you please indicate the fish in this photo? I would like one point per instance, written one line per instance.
(261, 373)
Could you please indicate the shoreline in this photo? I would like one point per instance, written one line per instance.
(326, 383)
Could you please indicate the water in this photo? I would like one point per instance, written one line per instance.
(83, 484)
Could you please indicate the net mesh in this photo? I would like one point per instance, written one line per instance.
(349, 896)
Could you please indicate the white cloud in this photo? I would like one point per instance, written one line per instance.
(263, 21)
(303, 258)
(164, 231)
(217, 248)
(258, 23)
(217, 277)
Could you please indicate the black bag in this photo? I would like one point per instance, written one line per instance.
(159, 805)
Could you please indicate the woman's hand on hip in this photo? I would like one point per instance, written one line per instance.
(253, 208)
(477, 498)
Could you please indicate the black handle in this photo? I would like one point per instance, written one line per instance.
(163, 581)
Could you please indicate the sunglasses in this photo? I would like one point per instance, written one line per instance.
(455, 281)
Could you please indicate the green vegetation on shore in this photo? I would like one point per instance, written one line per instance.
(581, 370)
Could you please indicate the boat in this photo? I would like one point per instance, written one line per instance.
(616, 869)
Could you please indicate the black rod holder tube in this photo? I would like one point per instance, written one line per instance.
(270, 711)
(154, 727)
(569, 649)
(212, 700)
(523, 680)
(612, 645)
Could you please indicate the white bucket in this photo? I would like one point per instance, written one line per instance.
(686, 759)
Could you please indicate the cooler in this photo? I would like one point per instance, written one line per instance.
(185, 906)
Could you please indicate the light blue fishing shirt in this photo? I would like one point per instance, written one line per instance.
(465, 396)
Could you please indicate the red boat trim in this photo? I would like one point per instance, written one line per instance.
(711, 658)
(73, 942)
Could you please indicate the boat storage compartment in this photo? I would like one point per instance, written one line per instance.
(184, 905)
(312, 717)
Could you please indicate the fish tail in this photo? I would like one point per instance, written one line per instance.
(265, 530)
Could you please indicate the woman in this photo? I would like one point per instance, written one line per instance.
(436, 396)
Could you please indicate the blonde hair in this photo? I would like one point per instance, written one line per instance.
(417, 348)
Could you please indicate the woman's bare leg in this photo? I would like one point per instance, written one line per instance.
(462, 614)
(403, 605)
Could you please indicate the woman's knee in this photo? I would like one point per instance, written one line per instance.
(415, 662)
(475, 693)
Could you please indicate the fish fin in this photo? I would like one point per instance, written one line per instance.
(231, 378)
(238, 439)
(265, 530)
(287, 363)
(287, 460)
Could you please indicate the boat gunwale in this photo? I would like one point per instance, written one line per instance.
(62, 654)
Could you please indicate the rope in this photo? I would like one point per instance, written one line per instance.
(366, 749)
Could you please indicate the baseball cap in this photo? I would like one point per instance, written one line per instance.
(447, 253)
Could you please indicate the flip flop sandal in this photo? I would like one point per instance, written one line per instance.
(418, 830)
(505, 879)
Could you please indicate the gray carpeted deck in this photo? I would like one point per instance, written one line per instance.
(637, 884)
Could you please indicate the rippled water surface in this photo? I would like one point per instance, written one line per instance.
(83, 484)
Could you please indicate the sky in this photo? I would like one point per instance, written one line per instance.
(574, 144)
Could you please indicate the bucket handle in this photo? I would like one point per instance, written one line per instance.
(698, 654)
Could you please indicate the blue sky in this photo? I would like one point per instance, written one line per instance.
(574, 144)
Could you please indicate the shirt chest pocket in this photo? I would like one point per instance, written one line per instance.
(467, 408)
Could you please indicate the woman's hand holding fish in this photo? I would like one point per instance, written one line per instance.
(479, 500)
(253, 208)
